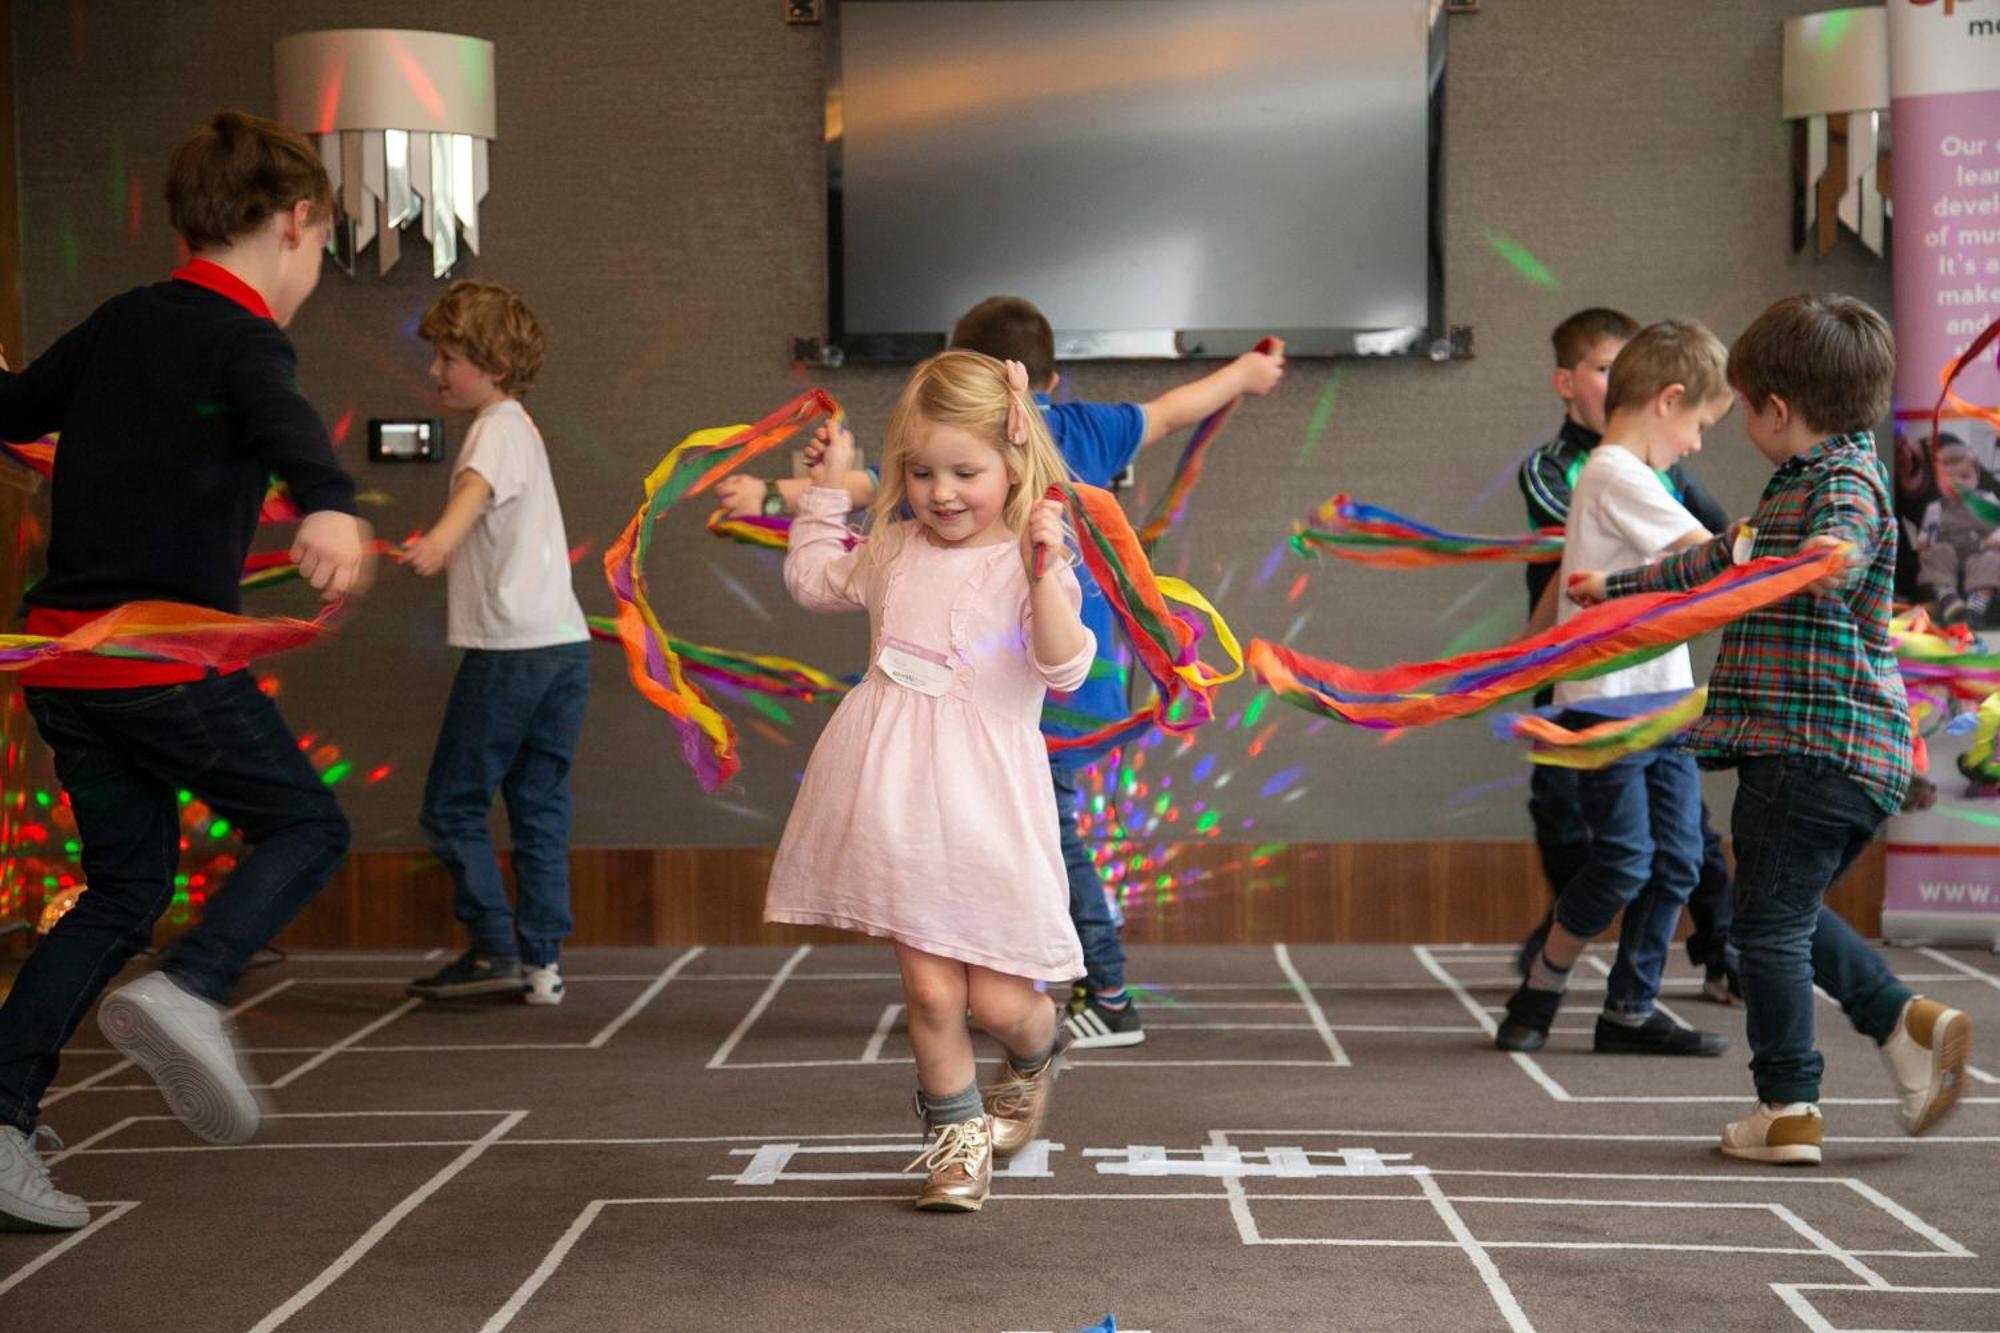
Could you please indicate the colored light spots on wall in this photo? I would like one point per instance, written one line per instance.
(69, 245)
(1522, 262)
(1322, 412)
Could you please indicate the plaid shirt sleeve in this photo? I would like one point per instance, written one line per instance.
(1844, 505)
(1677, 573)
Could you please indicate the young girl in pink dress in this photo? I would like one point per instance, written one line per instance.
(926, 815)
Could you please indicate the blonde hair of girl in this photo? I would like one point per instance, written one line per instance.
(972, 392)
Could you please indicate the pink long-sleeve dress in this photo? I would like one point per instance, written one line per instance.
(928, 817)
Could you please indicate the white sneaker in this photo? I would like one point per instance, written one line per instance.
(182, 1041)
(1791, 1134)
(27, 1196)
(1926, 1056)
(543, 985)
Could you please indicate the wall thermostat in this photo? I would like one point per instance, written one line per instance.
(405, 440)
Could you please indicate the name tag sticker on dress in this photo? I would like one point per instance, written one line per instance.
(924, 670)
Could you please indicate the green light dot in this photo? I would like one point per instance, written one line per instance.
(218, 828)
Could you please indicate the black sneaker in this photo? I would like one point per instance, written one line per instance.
(1530, 1015)
(1531, 947)
(1091, 1024)
(1658, 1035)
(1721, 985)
(472, 973)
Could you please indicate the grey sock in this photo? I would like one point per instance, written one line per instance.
(1544, 975)
(1627, 1020)
(951, 1108)
(1033, 1064)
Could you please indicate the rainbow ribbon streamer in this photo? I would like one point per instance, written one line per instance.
(743, 671)
(708, 740)
(268, 569)
(1163, 640)
(1986, 511)
(1605, 741)
(1949, 663)
(772, 532)
(1384, 539)
(37, 456)
(169, 632)
(1603, 638)
(1187, 470)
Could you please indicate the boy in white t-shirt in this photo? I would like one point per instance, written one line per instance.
(517, 702)
(1644, 810)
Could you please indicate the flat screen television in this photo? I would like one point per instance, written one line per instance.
(1164, 178)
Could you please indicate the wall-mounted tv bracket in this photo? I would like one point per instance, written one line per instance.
(1456, 345)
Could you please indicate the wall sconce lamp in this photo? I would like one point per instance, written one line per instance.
(402, 120)
(1836, 94)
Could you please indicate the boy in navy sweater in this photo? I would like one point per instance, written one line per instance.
(176, 403)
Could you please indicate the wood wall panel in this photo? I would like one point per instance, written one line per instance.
(1363, 893)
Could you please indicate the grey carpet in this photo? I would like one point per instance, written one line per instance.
(1313, 1138)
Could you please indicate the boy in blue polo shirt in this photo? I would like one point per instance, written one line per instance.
(1098, 441)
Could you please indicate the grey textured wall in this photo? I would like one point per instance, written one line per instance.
(657, 198)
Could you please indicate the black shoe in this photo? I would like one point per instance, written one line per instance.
(1658, 1035)
(1091, 1024)
(1531, 947)
(1530, 1014)
(1721, 985)
(472, 973)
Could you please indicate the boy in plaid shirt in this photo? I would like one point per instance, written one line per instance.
(1806, 703)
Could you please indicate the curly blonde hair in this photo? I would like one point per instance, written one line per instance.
(490, 326)
(968, 391)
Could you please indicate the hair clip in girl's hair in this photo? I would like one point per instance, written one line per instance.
(1017, 392)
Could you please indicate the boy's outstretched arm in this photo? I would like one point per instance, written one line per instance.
(1843, 511)
(470, 495)
(34, 400)
(742, 495)
(1184, 406)
(1686, 568)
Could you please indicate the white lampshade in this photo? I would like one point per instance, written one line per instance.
(1836, 61)
(403, 119)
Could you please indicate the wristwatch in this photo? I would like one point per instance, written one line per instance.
(774, 503)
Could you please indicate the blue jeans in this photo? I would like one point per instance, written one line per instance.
(510, 725)
(1089, 912)
(1709, 906)
(123, 756)
(1644, 815)
(1563, 841)
(1799, 823)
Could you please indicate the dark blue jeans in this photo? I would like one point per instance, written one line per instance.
(1799, 823)
(1103, 955)
(511, 725)
(123, 756)
(1563, 841)
(1644, 815)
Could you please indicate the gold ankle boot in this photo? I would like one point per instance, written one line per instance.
(1019, 1106)
(960, 1162)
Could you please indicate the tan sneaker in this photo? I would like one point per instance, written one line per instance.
(1790, 1134)
(1019, 1105)
(960, 1162)
(1926, 1056)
